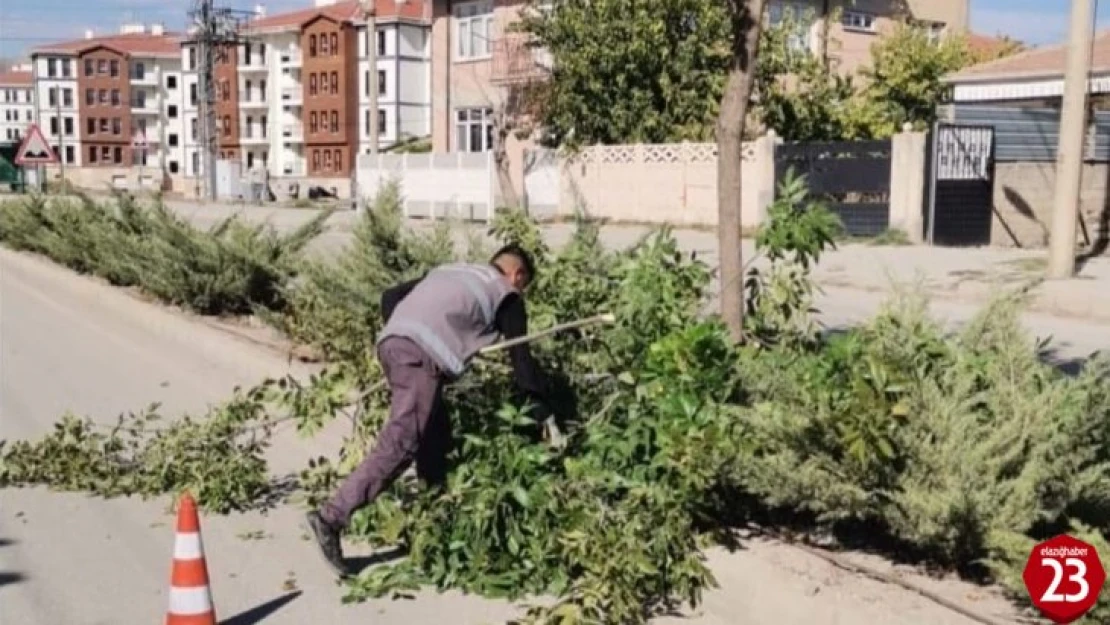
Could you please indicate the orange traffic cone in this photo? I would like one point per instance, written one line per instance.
(190, 596)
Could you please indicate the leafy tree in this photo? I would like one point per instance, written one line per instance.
(627, 71)
(904, 79)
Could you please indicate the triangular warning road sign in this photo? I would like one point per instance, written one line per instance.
(35, 150)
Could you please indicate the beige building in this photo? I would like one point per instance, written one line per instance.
(476, 63)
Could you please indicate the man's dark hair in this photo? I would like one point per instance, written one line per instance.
(525, 258)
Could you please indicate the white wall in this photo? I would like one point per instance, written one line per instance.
(44, 112)
(17, 112)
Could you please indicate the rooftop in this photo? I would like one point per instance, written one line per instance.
(350, 11)
(1037, 63)
(15, 78)
(134, 44)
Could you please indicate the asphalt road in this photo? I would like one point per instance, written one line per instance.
(69, 343)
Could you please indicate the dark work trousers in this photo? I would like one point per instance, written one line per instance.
(418, 429)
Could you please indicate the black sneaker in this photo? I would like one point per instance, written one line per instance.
(327, 539)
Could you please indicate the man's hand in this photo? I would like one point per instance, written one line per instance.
(552, 435)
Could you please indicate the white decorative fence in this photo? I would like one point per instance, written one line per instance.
(457, 184)
(650, 183)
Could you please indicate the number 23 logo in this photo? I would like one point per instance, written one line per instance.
(1079, 577)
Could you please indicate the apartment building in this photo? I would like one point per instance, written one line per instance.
(296, 96)
(110, 106)
(853, 26)
(17, 104)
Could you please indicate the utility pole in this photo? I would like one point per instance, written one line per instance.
(370, 15)
(1069, 154)
(215, 31)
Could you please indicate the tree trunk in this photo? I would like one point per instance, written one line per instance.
(746, 28)
(502, 128)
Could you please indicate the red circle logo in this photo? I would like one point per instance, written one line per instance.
(1064, 577)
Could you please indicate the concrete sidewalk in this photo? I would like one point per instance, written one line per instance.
(970, 275)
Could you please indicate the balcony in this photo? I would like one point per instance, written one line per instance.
(292, 133)
(253, 135)
(252, 100)
(145, 106)
(292, 96)
(256, 66)
(515, 62)
(146, 77)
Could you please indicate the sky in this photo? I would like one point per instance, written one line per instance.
(27, 23)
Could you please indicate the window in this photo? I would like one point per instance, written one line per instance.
(250, 160)
(313, 123)
(71, 154)
(174, 167)
(334, 44)
(324, 49)
(316, 160)
(172, 140)
(113, 68)
(193, 94)
(247, 95)
(250, 124)
(89, 67)
(67, 126)
(802, 16)
(327, 160)
(67, 98)
(52, 68)
(117, 155)
(933, 30)
(857, 20)
(138, 100)
(138, 71)
(225, 90)
(105, 153)
(473, 30)
(138, 157)
(193, 129)
(117, 126)
(312, 45)
(474, 130)
(66, 68)
(247, 54)
(366, 83)
(93, 152)
(335, 83)
(53, 125)
(102, 66)
(338, 160)
(90, 97)
(102, 96)
(115, 97)
(171, 82)
(381, 82)
(171, 111)
(381, 123)
(312, 84)
(381, 43)
(105, 125)
(263, 123)
(191, 63)
(195, 158)
(262, 91)
(52, 96)
(335, 122)
(227, 125)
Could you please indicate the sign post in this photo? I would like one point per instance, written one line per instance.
(34, 150)
(1064, 577)
(138, 142)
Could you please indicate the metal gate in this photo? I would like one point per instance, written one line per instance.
(960, 191)
(853, 177)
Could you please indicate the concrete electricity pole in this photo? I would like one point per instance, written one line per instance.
(1069, 155)
(215, 31)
